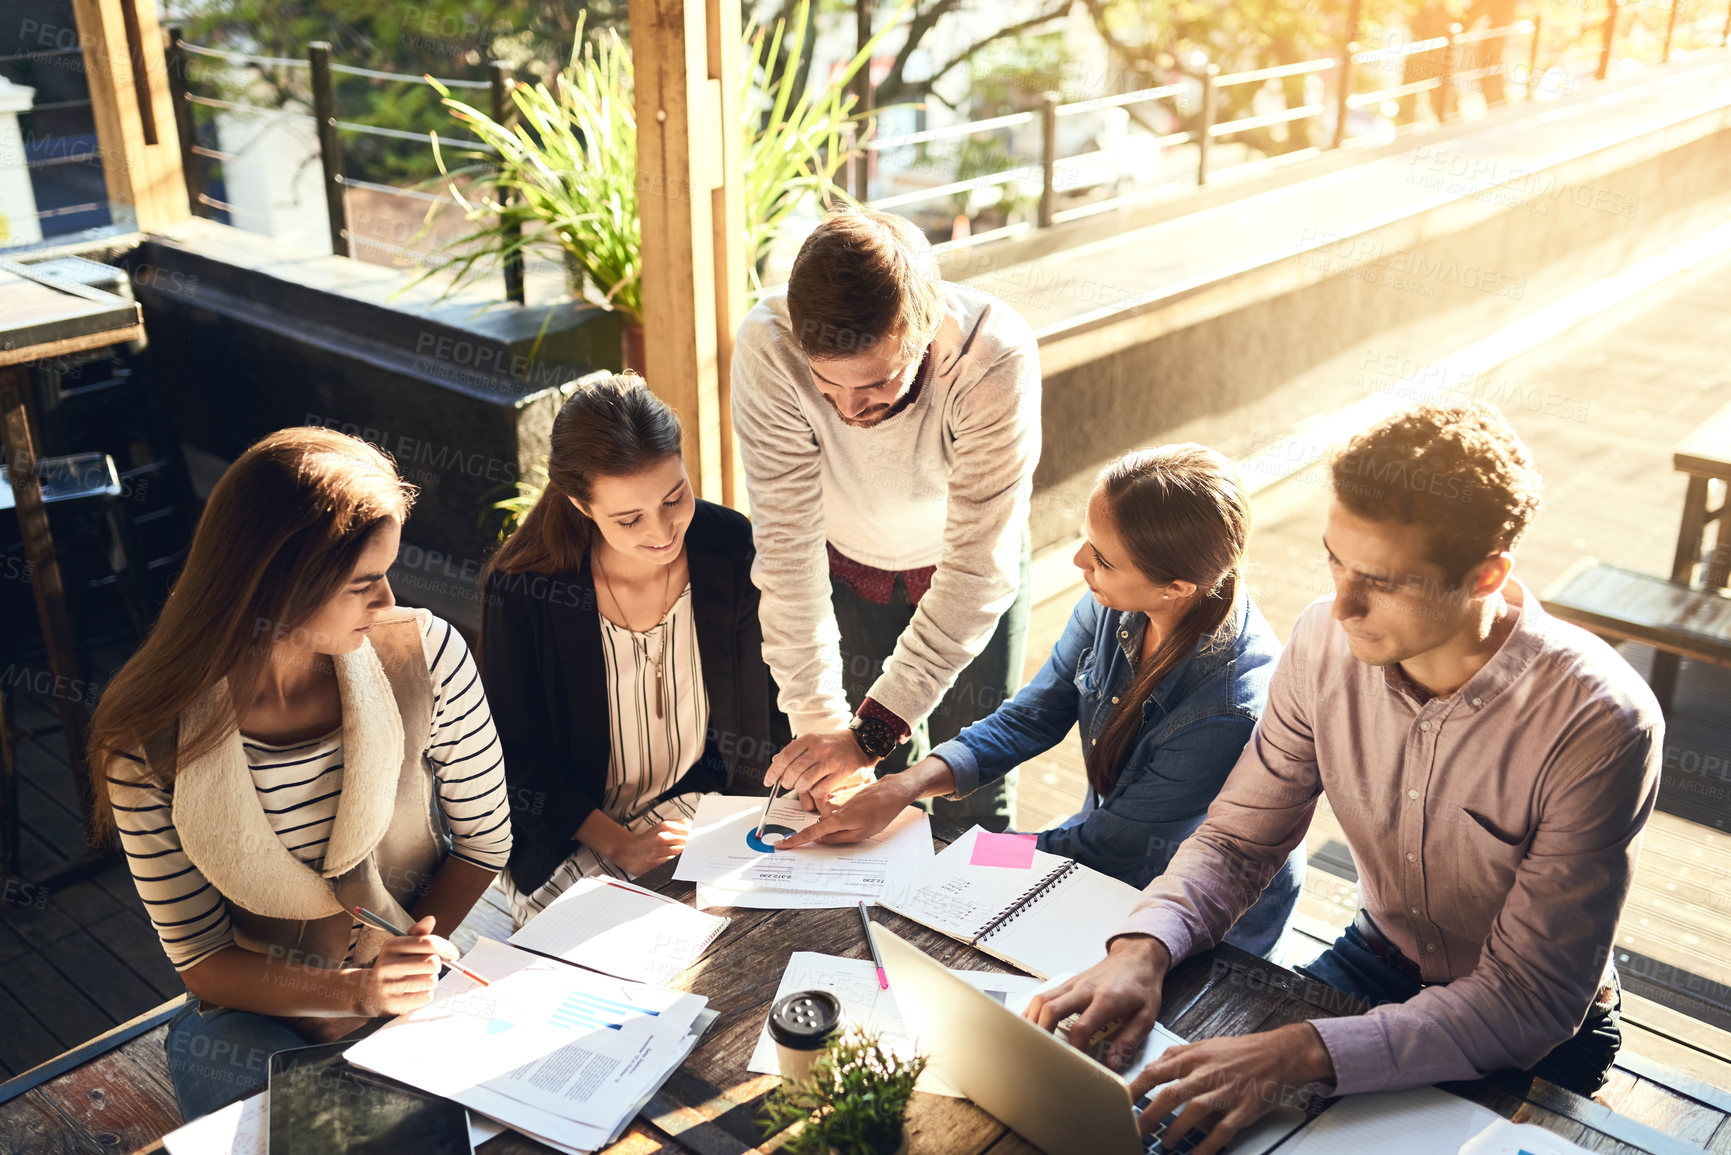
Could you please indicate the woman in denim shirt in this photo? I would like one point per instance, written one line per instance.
(1164, 665)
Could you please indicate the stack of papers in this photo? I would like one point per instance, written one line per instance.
(864, 1004)
(621, 930)
(565, 1055)
(734, 866)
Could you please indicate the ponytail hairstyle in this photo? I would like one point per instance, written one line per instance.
(283, 530)
(610, 427)
(1182, 513)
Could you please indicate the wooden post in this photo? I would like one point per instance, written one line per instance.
(1609, 39)
(1446, 88)
(1670, 32)
(330, 144)
(505, 113)
(134, 113)
(1048, 156)
(1348, 46)
(727, 213)
(678, 129)
(862, 87)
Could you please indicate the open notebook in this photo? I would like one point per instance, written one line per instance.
(1050, 917)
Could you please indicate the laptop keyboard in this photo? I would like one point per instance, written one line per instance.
(1156, 1144)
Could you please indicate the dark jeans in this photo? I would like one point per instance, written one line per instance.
(221, 1055)
(868, 636)
(1580, 1063)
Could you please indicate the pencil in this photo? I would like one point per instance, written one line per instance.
(379, 923)
(871, 945)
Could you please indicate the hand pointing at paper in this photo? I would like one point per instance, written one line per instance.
(875, 806)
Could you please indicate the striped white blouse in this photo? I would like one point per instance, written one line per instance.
(298, 786)
(651, 752)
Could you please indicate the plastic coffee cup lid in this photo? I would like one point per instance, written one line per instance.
(804, 1020)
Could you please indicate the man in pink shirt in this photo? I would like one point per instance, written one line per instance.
(1492, 768)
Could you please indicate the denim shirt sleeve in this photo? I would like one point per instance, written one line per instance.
(1032, 722)
(1157, 804)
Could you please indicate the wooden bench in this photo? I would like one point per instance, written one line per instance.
(1626, 606)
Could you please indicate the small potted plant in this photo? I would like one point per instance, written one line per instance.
(854, 1102)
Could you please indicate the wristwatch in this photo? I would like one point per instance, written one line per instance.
(876, 737)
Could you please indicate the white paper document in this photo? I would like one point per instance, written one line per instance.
(724, 849)
(552, 1050)
(237, 1129)
(1506, 1138)
(864, 1004)
(1425, 1121)
(710, 896)
(622, 930)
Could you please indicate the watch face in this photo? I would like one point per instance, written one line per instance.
(876, 737)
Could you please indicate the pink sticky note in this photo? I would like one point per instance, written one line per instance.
(1013, 850)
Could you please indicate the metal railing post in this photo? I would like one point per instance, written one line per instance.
(1048, 157)
(330, 144)
(1670, 32)
(1609, 35)
(862, 86)
(191, 164)
(1446, 89)
(505, 115)
(1533, 55)
(1206, 131)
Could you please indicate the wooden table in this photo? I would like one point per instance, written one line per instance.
(42, 317)
(114, 1094)
(1705, 456)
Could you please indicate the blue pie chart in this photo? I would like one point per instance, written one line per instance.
(764, 845)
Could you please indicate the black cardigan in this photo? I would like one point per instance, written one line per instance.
(544, 674)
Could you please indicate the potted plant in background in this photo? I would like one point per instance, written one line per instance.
(561, 182)
(854, 1102)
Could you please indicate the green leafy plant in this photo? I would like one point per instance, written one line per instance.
(562, 180)
(853, 1103)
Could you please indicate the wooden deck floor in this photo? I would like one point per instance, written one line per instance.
(1642, 382)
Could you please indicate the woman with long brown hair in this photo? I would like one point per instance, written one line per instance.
(621, 650)
(286, 746)
(1165, 667)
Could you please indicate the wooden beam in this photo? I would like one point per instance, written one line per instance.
(135, 125)
(727, 212)
(678, 128)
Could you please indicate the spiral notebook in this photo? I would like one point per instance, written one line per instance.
(1050, 917)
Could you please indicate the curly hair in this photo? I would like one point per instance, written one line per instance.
(1455, 468)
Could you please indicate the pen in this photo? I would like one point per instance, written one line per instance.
(379, 923)
(871, 945)
(767, 803)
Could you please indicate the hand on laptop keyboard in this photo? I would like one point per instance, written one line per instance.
(1156, 1142)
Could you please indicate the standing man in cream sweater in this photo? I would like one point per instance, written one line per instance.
(889, 423)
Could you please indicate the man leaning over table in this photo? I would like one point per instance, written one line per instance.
(889, 424)
(1492, 768)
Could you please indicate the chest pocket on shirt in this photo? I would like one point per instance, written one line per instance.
(1506, 837)
(1491, 857)
(1087, 677)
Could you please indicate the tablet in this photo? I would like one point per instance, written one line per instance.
(317, 1104)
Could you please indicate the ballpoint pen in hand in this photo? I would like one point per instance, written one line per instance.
(377, 922)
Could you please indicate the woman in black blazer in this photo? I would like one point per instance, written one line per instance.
(621, 651)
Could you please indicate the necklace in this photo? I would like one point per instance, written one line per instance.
(640, 643)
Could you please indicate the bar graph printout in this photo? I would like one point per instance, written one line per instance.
(568, 1044)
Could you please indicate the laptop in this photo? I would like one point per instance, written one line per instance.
(1051, 1094)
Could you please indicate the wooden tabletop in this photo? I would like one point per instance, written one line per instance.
(119, 1099)
(43, 316)
(1706, 452)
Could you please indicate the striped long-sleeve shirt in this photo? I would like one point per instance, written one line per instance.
(299, 785)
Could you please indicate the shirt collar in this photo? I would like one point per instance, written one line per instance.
(1133, 625)
(1526, 641)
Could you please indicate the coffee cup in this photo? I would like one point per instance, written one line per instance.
(799, 1025)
